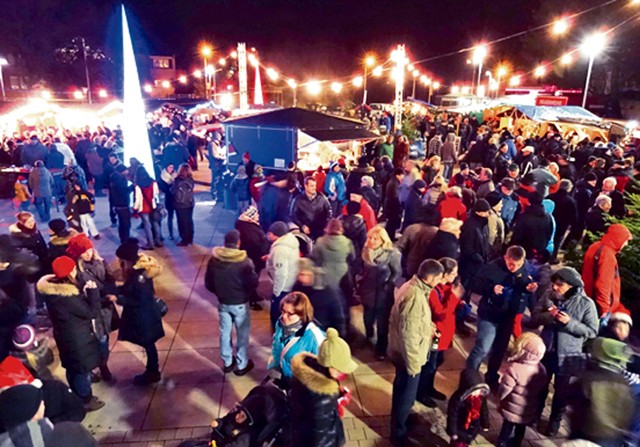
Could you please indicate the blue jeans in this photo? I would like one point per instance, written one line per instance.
(80, 383)
(405, 389)
(237, 315)
(151, 229)
(43, 205)
(492, 340)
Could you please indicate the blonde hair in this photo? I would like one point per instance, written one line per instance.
(518, 348)
(383, 235)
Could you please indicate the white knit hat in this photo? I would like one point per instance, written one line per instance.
(621, 316)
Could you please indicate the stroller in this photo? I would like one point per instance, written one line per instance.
(257, 421)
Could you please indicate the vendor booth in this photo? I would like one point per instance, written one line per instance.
(274, 139)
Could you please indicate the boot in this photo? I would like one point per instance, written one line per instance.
(92, 403)
(106, 374)
(147, 378)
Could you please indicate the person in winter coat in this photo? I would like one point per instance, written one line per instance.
(468, 412)
(119, 198)
(22, 415)
(73, 174)
(42, 186)
(329, 308)
(565, 212)
(81, 206)
(255, 242)
(392, 206)
(59, 236)
(435, 145)
(569, 319)
(410, 333)
(72, 308)
(413, 204)
(431, 169)
(520, 387)
(474, 242)
(95, 163)
(600, 270)
(597, 219)
(311, 211)
(381, 269)
(141, 322)
(355, 230)
(511, 207)
(484, 184)
(415, 238)
(174, 153)
(602, 402)
(449, 155)
(282, 264)
(585, 196)
(355, 176)
(240, 187)
(452, 206)
(33, 151)
(549, 207)
(22, 195)
(401, 151)
(618, 208)
(316, 396)
(435, 192)
(527, 160)
(495, 224)
(334, 252)
(444, 300)
(274, 202)
(445, 243)
(534, 229)
(544, 178)
(26, 236)
(146, 200)
(368, 192)
(295, 332)
(231, 275)
(167, 177)
(505, 288)
(184, 203)
(335, 187)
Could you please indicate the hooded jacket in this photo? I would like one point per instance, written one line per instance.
(474, 245)
(97, 270)
(566, 341)
(355, 177)
(253, 241)
(533, 231)
(523, 382)
(335, 184)
(314, 404)
(412, 207)
(600, 271)
(458, 408)
(71, 312)
(410, 328)
(355, 230)
(231, 275)
(565, 212)
(41, 182)
(334, 253)
(58, 245)
(443, 245)
(141, 321)
(452, 206)
(282, 263)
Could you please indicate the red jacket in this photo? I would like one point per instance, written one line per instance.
(443, 303)
(602, 281)
(321, 178)
(452, 206)
(367, 213)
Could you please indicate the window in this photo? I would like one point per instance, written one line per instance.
(162, 62)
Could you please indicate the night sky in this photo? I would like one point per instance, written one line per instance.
(304, 38)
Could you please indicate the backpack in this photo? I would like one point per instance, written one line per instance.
(182, 197)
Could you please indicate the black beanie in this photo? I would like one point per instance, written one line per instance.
(481, 206)
(19, 404)
(129, 250)
(353, 208)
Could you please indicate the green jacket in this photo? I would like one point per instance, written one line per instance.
(385, 149)
(410, 327)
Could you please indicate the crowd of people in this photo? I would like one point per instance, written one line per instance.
(482, 219)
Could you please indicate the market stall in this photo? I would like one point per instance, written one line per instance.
(274, 139)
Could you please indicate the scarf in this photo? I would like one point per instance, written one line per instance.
(167, 177)
(290, 331)
(475, 404)
(29, 231)
(250, 215)
(375, 256)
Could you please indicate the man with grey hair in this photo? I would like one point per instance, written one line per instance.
(618, 208)
(565, 213)
(596, 220)
(369, 193)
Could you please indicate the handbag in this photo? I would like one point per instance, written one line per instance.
(162, 306)
(159, 212)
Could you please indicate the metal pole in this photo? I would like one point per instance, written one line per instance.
(215, 89)
(295, 97)
(4, 95)
(479, 77)
(586, 86)
(364, 85)
(430, 92)
(86, 71)
(413, 91)
(205, 77)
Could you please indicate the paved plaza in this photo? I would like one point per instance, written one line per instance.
(194, 391)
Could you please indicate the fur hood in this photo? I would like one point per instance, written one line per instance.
(302, 366)
(63, 240)
(13, 229)
(149, 264)
(47, 286)
(226, 254)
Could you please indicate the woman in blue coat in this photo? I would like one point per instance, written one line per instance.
(141, 321)
(335, 188)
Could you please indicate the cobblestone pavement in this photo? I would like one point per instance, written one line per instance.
(194, 390)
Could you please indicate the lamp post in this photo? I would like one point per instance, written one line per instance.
(432, 86)
(591, 47)
(294, 86)
(501, 72)
(415, 74)
(369, 61)
(206, 53)
(3, 62)
(479, 54)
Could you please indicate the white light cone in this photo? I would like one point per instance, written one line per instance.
(134, 124)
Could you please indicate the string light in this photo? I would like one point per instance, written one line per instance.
(148, 88)
(540, 71)
(78, 94)
(358, 81)
(314, 88)
(436, 85)
(291, 83)
(416, 73)
(566, 59)
(377, 72)
(166, 84)
(182, 79)
(272, 74)
(370, 61)
(102, 93)
(197, 74)
(222, 61)
(560, 27)
(336, 87)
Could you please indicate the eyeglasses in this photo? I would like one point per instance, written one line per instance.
(289, 314)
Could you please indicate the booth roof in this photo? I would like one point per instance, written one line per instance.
(557, 113)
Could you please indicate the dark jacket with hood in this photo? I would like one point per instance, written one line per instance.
(355, 230)
(31, 242)
(474, 245)
(412, 207)
(253, 241)
(355, 177)
(119, 190)
(315, 421)
(372, 197)
(231, 275)
(566, 211)
(459, 406)
(533, 231)
(412, 243)
(443, 245)
(141, 321)
(106, 319)
(58, 244)
(71, 312)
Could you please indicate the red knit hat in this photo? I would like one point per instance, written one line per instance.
(79, 244)
(62, 266)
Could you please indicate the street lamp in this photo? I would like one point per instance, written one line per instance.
(501, 72)
(336, 87)
(3, 62)
(369, 62)
(591, 47)
(560, 27)
(294, 86)
(415, 74)
(566, 59)
(358, 81)
(314, 88)
(272, 74)
(206, 51)
(377, 72)
(479, 54)
(540, 72)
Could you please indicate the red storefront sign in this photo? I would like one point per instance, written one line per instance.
(551, 100)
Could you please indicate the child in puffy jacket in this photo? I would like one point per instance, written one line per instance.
(521, 388)
(467, 412)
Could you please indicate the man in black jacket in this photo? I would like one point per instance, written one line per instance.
(392, 206)
(506, 289)
(565, 213)
(311, 211)
(232, 277)
(119, 200)
(533, 229)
